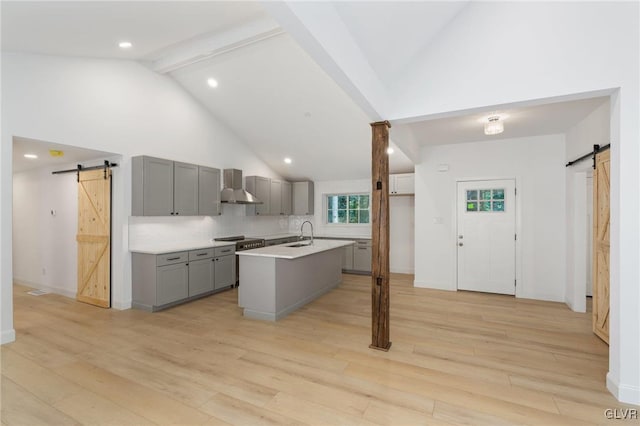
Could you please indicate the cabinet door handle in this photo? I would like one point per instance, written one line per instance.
(172, 213)
(201, 254)
(362, 248)
(177, 213)
(173, 258)
(226, 251)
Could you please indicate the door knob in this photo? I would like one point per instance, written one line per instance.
(460, 244)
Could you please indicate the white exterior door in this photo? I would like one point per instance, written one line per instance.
(486, 239)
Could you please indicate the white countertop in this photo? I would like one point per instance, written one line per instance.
(283, 251)
(343, 237)
(171, 248)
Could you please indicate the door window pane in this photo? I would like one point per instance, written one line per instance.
(498, 206)
(472, 195)
(485, 194)
(485, 206)
(498, 194)
(472, 206)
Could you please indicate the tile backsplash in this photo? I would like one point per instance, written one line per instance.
(149, 231)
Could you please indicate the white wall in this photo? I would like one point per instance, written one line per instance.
(553, 50)
(106, 105)
(401, 210)
(593, 129)
(44, 247)
(537, 164)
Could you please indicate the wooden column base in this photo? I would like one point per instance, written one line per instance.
(385, 349)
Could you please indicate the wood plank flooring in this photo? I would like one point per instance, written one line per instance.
(457, 358)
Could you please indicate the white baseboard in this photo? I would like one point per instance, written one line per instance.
(56, 290)
(433, 285)
(402, 271)
(121, 306)
(7, 336)
(623, 393)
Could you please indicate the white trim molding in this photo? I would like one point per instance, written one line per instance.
(623, 393)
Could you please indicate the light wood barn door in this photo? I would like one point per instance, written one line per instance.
(94, 238)
(601, 246)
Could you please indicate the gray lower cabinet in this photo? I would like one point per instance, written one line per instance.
(225, 271)
(164, 280)
(172, 283)
(362, 257)
(347, 258)
(201, 271)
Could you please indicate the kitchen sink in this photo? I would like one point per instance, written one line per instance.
(300, 245)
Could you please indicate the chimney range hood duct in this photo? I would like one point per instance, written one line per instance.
(232, 192)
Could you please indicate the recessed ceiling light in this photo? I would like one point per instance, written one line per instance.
(390, 151)
(32, 156)
(125, 45)
(212, 82)
(288, 160)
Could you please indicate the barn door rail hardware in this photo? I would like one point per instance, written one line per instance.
(592, 154)
(106, 166)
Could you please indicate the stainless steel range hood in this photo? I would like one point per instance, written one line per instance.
(232, 191)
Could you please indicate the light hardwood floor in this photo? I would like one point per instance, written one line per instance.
(457, 358)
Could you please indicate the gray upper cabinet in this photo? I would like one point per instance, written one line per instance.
(286, 199)
(261, 188)
(209, 191)
(275, 204)
(169, 188)
(303, 198)
(152, 192)
(185, 189)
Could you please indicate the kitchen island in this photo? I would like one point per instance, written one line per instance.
(277, 280)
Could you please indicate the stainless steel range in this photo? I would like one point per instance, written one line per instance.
(242, 243)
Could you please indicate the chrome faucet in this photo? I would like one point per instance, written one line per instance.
(301, 231)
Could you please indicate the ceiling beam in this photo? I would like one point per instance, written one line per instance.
(193, 51)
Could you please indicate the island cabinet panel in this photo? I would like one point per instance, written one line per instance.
(303, 198)
(185, 189)
(347, 258)
(209, 191)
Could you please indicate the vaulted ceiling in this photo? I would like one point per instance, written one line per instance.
(295, 79)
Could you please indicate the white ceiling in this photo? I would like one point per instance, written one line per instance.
(547, 119)
(283, 105)
(376, 26)
(94, 28)
(72, 155)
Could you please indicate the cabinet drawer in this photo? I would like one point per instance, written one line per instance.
(363, 243)
(171, 258)
(201, 254)
(224, 251)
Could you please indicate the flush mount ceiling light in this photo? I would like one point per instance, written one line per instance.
(288, 160)
(493, 125)
(31, 156)
(125, 45)
(390, 151)
(212, 82)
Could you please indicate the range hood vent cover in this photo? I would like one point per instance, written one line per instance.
(232, 192)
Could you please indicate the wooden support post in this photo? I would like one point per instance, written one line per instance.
(380, 237)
